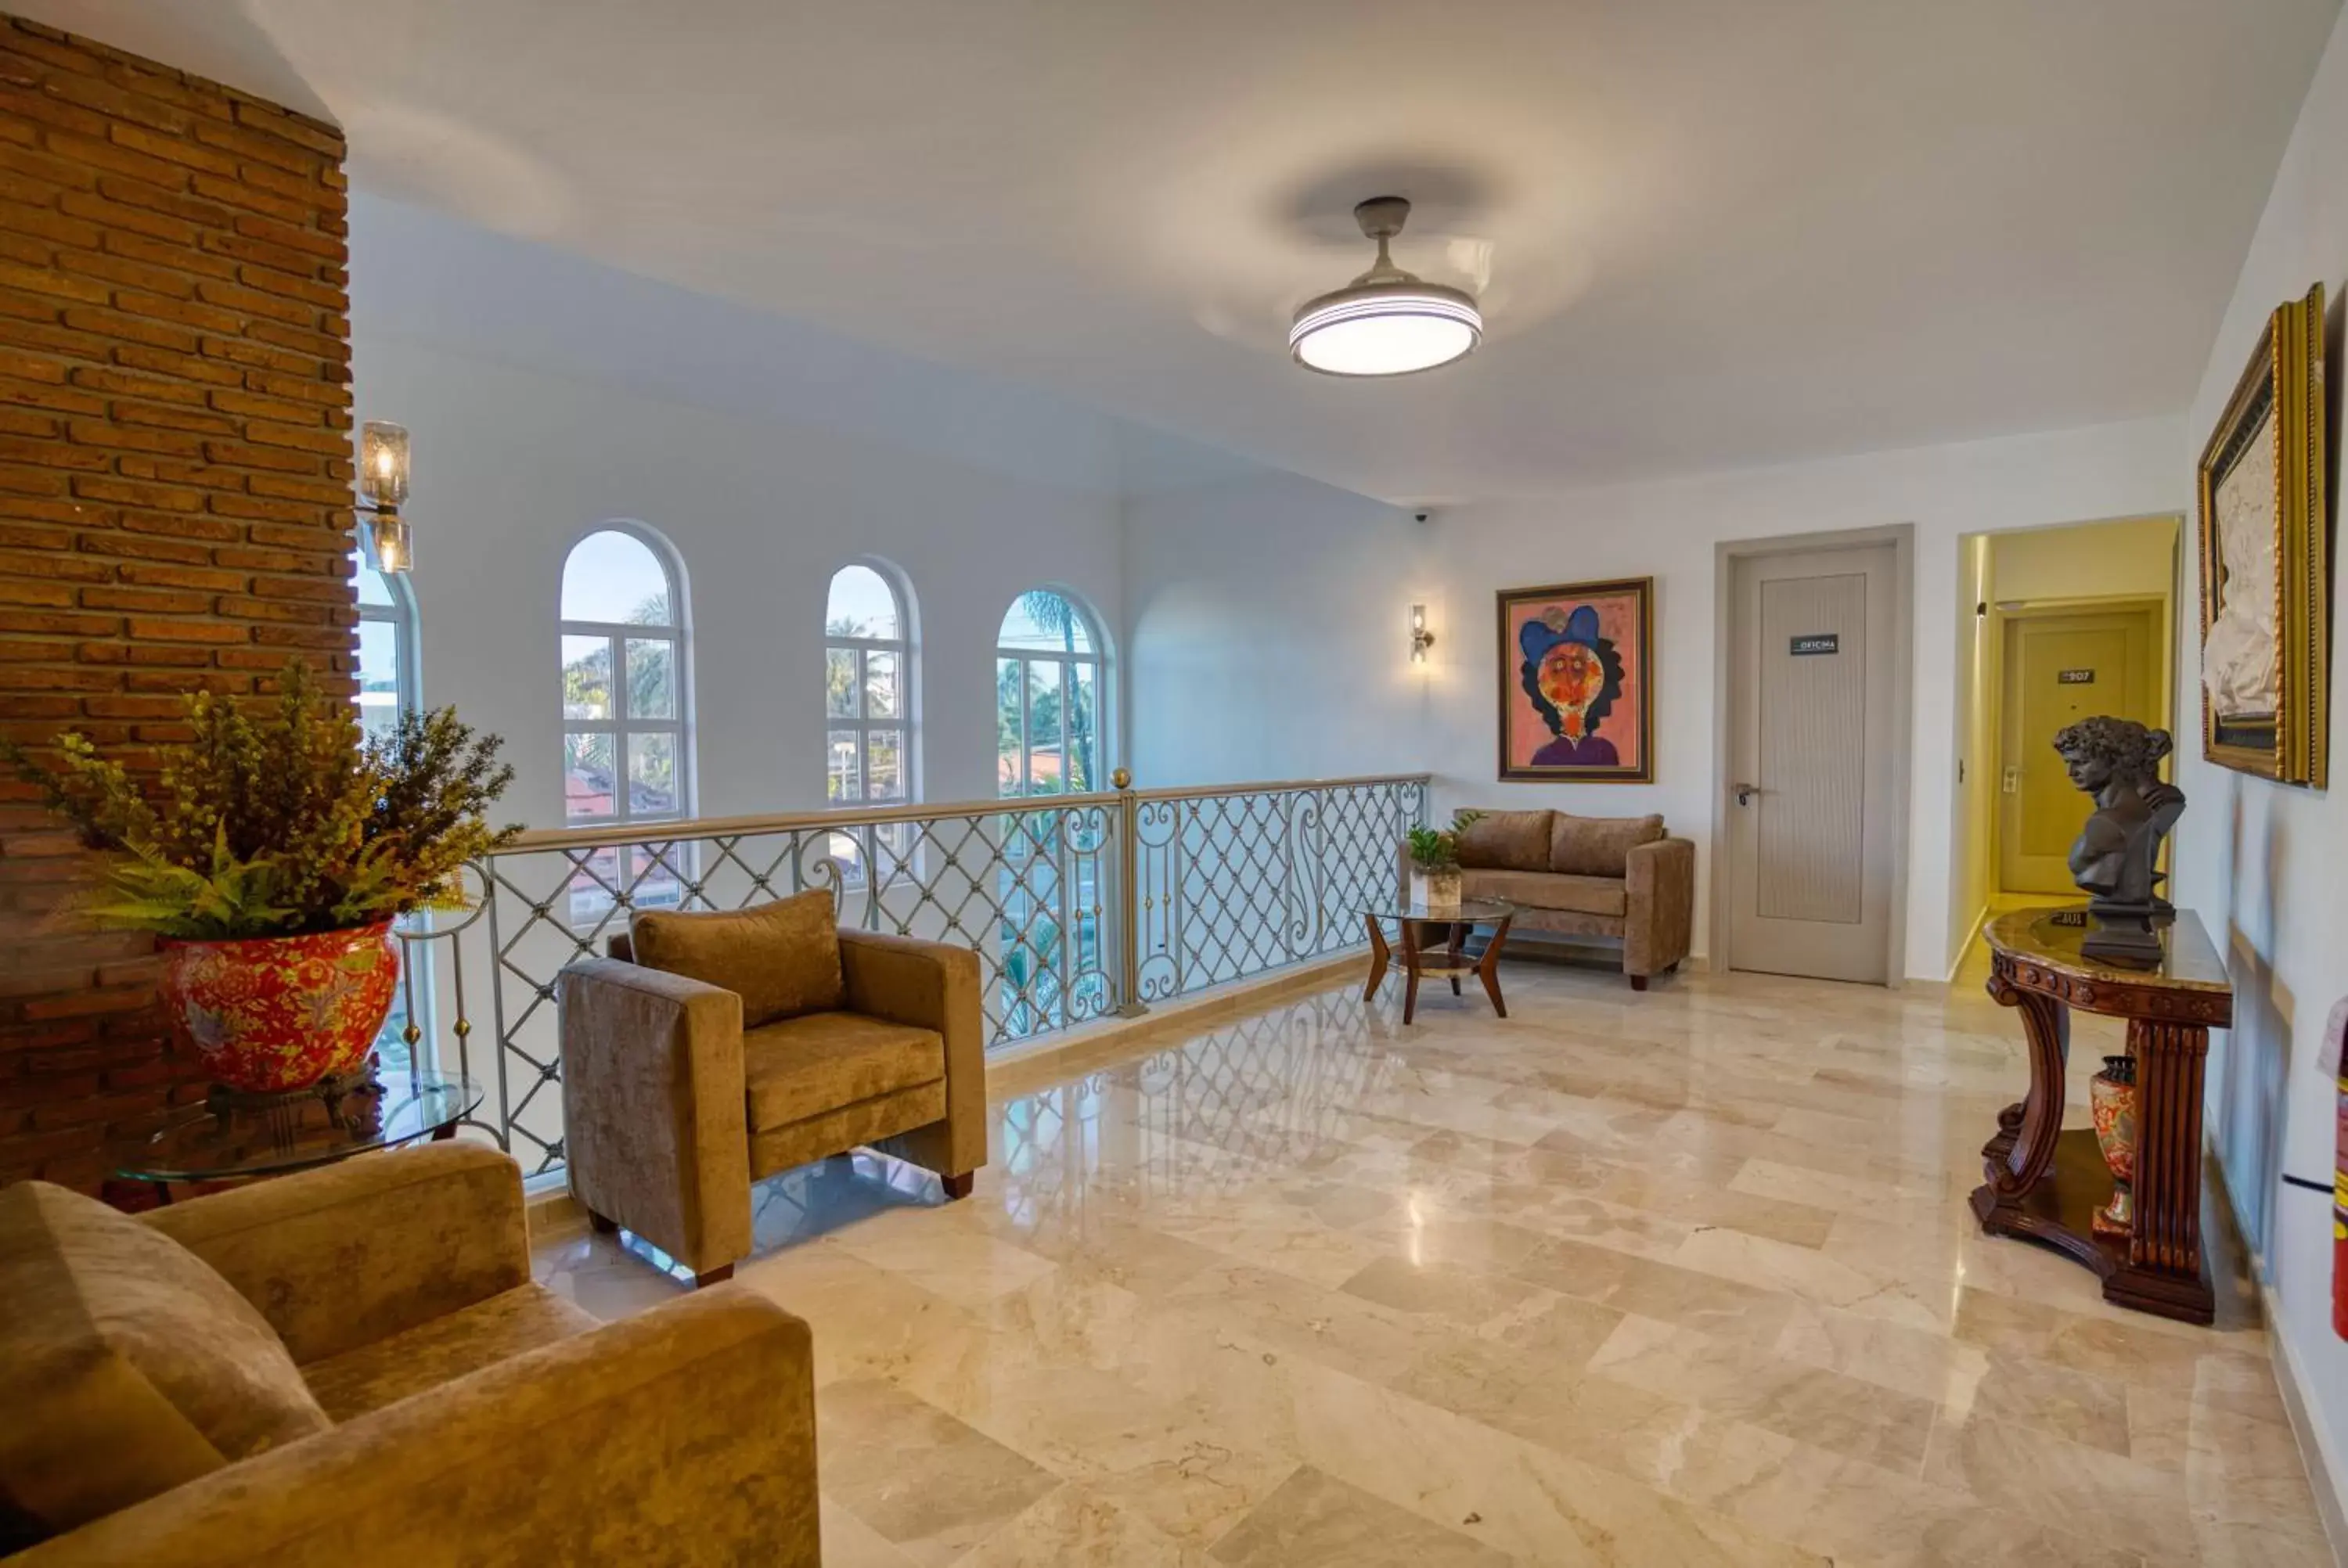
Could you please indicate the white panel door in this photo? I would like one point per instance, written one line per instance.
(1812, 812)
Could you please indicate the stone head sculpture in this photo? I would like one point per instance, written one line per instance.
(2117, 761)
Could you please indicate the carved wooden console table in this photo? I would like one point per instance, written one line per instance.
(2045, 1183)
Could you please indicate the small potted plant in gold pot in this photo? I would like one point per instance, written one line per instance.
(270, 854)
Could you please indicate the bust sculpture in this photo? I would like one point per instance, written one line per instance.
(2117, 761)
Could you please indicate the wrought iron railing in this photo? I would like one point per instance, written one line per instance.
(1079, 907)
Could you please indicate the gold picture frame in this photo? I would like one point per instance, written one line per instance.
(2263, 551)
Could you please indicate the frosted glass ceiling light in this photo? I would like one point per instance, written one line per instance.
(1386, 322)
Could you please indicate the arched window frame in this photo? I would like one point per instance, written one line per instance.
(1015, 771)
(856, 727)
(400, 616)
(622, 725)
(415, 984)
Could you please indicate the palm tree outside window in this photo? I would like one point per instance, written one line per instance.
(870, 731)
(1048, 683)
(627, 713)
(1050, 674)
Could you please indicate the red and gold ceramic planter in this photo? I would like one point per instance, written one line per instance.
(2112, 1100)
(272, 1013)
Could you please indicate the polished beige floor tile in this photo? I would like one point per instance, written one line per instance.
(1680, 1277)
(1694, 1299)
(927, 1483)
(1746, 1383)
(1454, 1294)
(1315, 1518)
(1083, 1526)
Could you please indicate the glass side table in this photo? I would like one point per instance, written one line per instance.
(235, 1135)
(1435, 940)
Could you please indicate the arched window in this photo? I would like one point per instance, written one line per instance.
(868, 696)
(627, 752)
(1047, 692)
(387, 687)
(388, 676)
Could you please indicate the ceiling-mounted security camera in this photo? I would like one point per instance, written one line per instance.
(1423, 516)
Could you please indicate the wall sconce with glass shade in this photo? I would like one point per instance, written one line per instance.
(382, 479)
(1421, 639)
(1386, 322)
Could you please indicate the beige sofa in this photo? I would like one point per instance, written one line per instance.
(1617, 876)
(351, 1366)
(671, 1107)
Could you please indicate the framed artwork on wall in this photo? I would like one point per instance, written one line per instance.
(2266, 620)
(1577, 699)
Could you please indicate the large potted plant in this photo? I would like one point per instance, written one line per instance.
(270, 854)
(1435, 857)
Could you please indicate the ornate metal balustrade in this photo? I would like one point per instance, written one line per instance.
(1078, 906)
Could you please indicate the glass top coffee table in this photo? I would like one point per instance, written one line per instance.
(1450, 941)
(236, 1135)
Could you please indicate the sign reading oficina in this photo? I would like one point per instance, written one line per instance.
(1817, 642)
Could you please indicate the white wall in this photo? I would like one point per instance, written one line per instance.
(2262, 862)
(1268, 618)
(545, 395)
(1669, 530)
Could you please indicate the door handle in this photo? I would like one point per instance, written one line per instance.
(1745, 792)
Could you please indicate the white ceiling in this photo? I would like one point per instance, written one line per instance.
(1707, 232)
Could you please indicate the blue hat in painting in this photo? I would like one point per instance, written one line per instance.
(1537, 637)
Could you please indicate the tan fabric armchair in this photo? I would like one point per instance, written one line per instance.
(672, 1109)
(475, 1416)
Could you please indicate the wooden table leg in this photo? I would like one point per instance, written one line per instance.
(1488, 968)
(1379, 954)
(1458, 940)
(2017, 1158)
(2163, 1270)
(1409, 969)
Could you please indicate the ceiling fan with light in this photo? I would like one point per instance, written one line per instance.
(1386, 322)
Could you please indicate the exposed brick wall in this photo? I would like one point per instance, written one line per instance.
(175, 468)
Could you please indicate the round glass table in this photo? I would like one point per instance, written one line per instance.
(1448, 941)
(234, 1136)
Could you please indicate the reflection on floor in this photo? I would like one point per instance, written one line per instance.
(1678, 1278)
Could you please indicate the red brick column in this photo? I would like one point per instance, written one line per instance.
(175, 468)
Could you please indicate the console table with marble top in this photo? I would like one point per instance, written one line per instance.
(2045, 1183)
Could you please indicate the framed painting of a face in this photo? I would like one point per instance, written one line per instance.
(1577, 698)
(2266, 621)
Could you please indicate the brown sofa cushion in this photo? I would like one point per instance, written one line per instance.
(127, 1367)
(1599, 845)
(803, 1066)
(1548, 890)
(1507, 841)
(782, 959)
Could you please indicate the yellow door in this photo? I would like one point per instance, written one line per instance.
(2060, 669)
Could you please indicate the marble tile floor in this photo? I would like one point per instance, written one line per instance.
(1683, 1277)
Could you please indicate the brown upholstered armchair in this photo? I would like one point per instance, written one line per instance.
(671, 1107)
(352, 1366)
